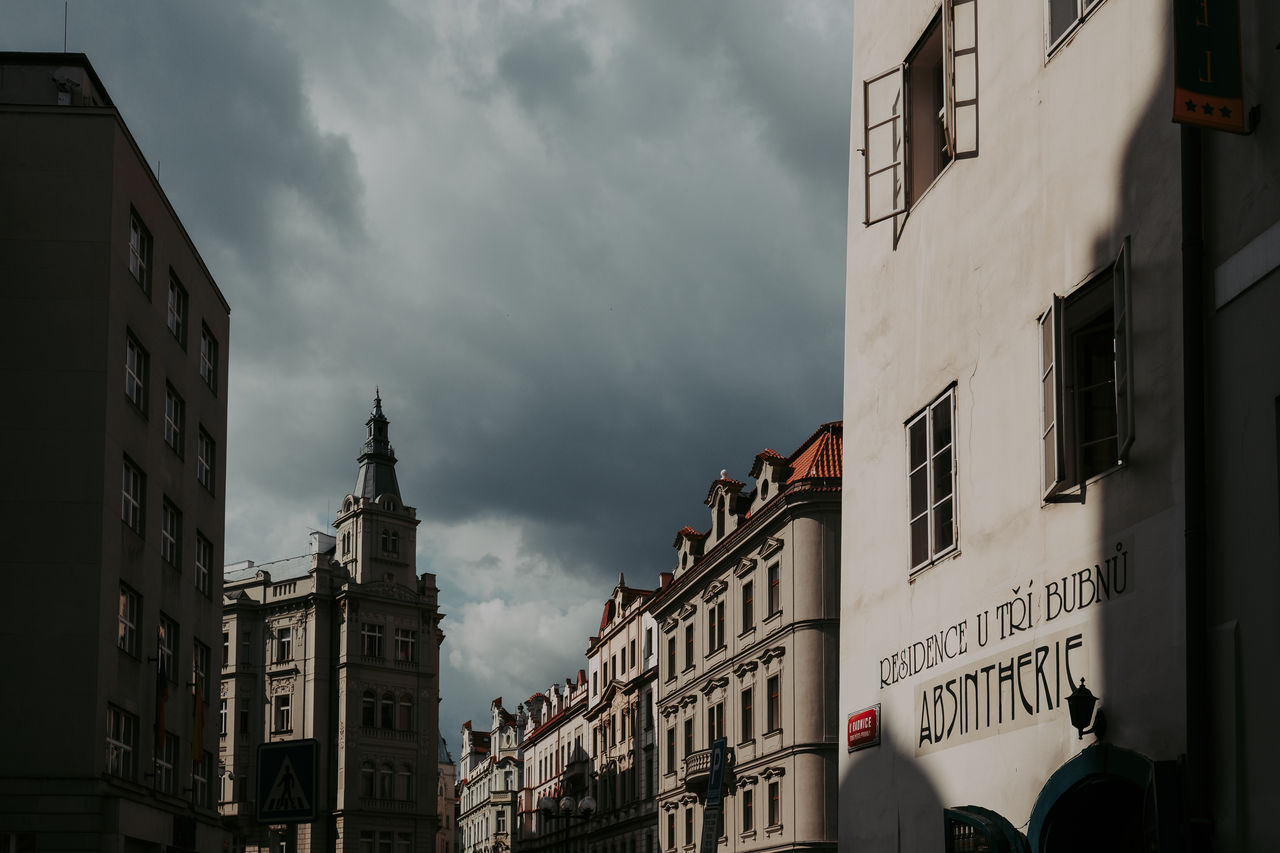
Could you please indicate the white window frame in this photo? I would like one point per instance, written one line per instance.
(204, 559)
(135, 372)
(130, 606)
(133, 497)
(284, 643)
(406, 645)
(1060, 480)
(175, 416)
(122, 743)
(887, 114)
(200, 656)
(370, 640)
(934, 497)
(167, 636)
(176, 310)
(166, 758)
(209, 358)
(140, 252)
(170, 533)
(1083, 9)
(282, 713)
(205, 452)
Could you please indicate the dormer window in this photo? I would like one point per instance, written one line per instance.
(764, 490)
(720, 518)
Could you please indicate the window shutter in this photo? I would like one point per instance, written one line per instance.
(1124, 352)
(884, 146)
(960, 54)
(1051, 398)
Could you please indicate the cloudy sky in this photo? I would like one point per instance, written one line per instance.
(592, 253)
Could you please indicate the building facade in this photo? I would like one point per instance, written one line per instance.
(341, 645)
(491, 773)
(557, 761)
(747, 637)
(1024, 384)
(621, 713)
(446, 801)
(116, 451)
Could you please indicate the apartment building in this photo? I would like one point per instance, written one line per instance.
(558, 765)
(1031, 243)
(116, 357)
(341, 644)
(747, 639)
(490, 779)
(446, 800)
(621, 712)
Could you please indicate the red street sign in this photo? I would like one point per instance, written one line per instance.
(864, 728)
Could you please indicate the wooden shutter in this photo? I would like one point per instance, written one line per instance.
(1051, 437)
(884, 146)
(960, 56)
(1124, 352)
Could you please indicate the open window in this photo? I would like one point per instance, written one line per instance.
(1086, 384)
(921, 114)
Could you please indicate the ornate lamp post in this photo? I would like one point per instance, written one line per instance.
(567, 809)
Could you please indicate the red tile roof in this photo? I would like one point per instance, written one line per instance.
(821, 456)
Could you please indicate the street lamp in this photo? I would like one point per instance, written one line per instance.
(567, 810)
(1080, 706)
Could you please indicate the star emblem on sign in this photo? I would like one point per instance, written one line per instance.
(1208, 108)
(1191, 105)
(1226, 111)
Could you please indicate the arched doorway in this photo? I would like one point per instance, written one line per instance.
(1092, 803)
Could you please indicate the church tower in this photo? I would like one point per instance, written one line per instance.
(377, 533)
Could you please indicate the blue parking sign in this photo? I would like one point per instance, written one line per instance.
(287, 779)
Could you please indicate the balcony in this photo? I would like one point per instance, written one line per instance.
(697, 770)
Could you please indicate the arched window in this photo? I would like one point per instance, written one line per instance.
(405, 785)
(368, 709)
(720, 517)
(388, 710)
(384, 782)
(406, 713)
(366, 779)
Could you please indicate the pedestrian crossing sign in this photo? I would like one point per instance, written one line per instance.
(287, 781)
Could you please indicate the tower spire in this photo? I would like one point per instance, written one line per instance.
(377, 475)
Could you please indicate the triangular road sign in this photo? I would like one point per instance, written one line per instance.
(287, 793)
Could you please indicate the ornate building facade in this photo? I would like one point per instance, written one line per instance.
(342, 645)
(490, 776)
(748, 631)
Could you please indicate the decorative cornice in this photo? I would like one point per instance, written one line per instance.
(743, 668)
(769, 547)
(670, 710)
(714, 684)
(745, 565)
(771, 653)
(747, 781)
(773, 772)
(715, 588)
(686, 701)
(671, 624)
(687, 611)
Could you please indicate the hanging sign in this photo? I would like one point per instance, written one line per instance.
(1207, 85)
(864, 728)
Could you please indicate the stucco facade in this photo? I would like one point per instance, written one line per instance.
(491, 774)
(1021, 444)
(747, 636)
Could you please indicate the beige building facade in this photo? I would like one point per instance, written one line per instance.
(1024, 394)
(491, 774)
(116, 358)
(747, 640)
(340, 645)
(557, 764)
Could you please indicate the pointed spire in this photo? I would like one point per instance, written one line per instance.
(377, 458)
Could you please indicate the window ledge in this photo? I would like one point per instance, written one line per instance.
(917, 572)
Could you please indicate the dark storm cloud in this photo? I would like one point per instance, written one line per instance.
(592, 253)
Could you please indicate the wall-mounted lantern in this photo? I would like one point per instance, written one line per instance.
(1080, 705)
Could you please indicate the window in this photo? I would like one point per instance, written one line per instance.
(368, 709)
(166, 642)
(366, 779)
(390, 542)
(931, 480)
(1062, 16)
(688, 826)
(775, 804)
(170, 534)
(177, 311)
(386, 710)
(671, 658)
(244, 719)
(122, 741)
(671, 750)
(222, 717)
(204, 459)
(688, 646)
(773, 716)
(371, 640)
(133, 497)
(671, 829)
(384, 782)
(688, 738)
(748, 809)
(284, 713)
(633, 652)
(501, 824)
(406, 645)
(166, 757)
(715, 627)
(921, 114)
(715, 723)
(748, 605)
(127, 639)
(775, 588)
(136, 362)
(748, 728)
(204, 559)
(284, 643)
(200, 671)
(175, 413)
(140, 253)
(406, 713)
(209, 358)
(201, 791)
(1086, 391)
